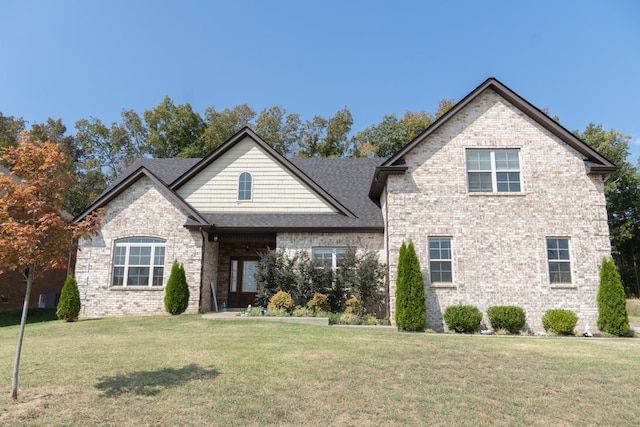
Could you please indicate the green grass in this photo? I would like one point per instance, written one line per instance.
(34, 315)
(188, 371)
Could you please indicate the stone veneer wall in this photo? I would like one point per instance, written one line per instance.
(499, 240)
(141, 210)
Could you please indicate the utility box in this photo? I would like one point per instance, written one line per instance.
(48, 300)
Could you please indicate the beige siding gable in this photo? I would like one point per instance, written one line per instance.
(274, 188)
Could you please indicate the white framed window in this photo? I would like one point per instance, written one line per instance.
(493, 171)
(245, 185)
(326, 257)
(440, 260)
(559, 260)
(138, 261)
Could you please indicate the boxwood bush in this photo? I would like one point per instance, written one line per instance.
(462, 318)
(560, 321)
(508, 317)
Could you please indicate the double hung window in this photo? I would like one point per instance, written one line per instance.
(559, 260)
(328, 257)
(493, 171)
(440, 260)
(138, 261)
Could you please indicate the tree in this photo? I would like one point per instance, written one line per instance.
(444, 106)
(326, 137)
(390, 135)
(171, 128)
(369, 278)
(612, 302)
(176, 297)
(279, 129)
(10, 128)
(217, 128)
(34, 235)
(69, 304)
(410, 301)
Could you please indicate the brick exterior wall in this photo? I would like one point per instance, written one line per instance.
(499, 241)
(141, 210)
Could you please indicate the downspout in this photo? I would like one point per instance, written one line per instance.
(386, 236)
(201, 270)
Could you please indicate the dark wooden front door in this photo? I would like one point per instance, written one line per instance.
(242, 283)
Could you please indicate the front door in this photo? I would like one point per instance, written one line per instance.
(242, 283)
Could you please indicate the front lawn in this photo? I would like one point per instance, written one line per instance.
(188, 371)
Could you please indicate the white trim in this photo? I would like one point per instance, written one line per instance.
(450, 260)
(559, 261)
(250, 189)
(129, 242)
(493, 171)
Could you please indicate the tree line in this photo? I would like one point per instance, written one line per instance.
(98, 153)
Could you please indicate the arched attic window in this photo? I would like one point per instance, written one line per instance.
(245, 183)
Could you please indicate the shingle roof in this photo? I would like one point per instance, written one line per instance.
(346, 179)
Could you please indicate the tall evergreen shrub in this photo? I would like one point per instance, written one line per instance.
(410, 303)
(69, 304)
(176, 296)
(612, 310)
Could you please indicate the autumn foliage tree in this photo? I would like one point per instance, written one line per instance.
(35, 234)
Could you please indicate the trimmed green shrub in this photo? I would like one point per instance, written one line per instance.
(612, 301)
(508, 317)
(69, 304)
(281, 301)
(176, 295)
(410, 302)
(318, 303)
(560, 321)
(462, 318)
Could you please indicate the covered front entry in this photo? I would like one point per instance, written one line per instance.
(242, 286)
(234, 258)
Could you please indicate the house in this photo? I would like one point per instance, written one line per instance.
(45, 290)
(503, 204)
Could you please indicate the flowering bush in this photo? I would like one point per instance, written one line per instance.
(318, 303)
(281, 301)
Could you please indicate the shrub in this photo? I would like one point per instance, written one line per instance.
(318, 303)
(370, 275)
(272, 275)
(612, 301)
(462, 318)
(281, 301)
(353, 306)
(350, 319)
(176, 296)
(410, 303)
(300, 311)
(334, 318)
(559, 321)
(369, 319)
(508, 317)
(69, 304)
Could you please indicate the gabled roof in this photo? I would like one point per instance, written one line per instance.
(132, 177)
(594, 161)
(247, 132)
(342, 181)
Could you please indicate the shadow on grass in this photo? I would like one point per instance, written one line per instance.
(150, 383)
(34, 315)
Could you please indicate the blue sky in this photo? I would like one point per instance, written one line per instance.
(75, 59)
